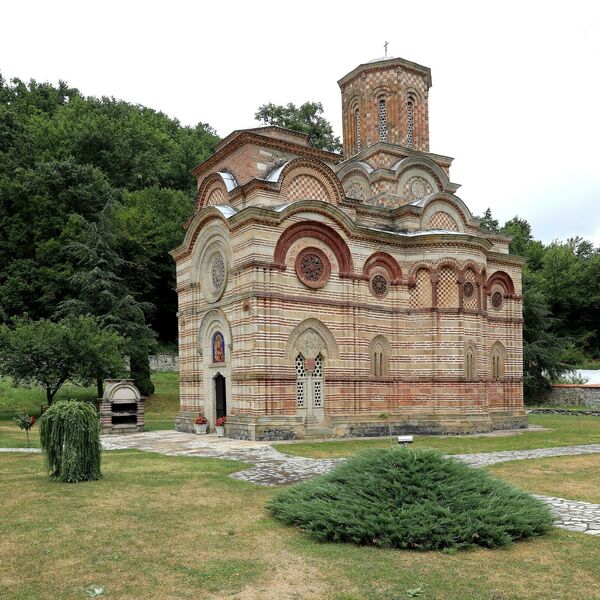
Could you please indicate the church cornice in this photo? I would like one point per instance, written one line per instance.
(384, 65)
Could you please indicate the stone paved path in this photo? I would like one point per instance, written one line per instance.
(271, 467)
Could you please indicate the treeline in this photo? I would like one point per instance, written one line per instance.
(65, 160)
(561, 286)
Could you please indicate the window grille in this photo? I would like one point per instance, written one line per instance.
(300, 382)
(357, 129)
(383, 130)
(410, 123)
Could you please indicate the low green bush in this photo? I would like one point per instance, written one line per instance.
(70, 438)
(414, 499)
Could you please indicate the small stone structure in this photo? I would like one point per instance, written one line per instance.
(572, 394)
(122, 407)
(166, 362)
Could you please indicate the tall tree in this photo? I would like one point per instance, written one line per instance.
(102, 292)
(306, 118)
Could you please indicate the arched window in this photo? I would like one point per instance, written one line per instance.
(470, 362)
(357, 129)
(410, 122)
(379, 356)
(498, 354)
(377, 361)
(383, 129)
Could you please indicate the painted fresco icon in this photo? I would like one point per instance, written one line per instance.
(218, 348)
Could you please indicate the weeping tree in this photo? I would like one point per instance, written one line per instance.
(70, 436)
(103, 293)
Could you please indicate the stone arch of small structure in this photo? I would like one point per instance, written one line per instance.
(326, 344)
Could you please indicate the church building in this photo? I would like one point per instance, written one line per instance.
(326, 295)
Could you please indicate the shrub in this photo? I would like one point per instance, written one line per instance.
(220, 422)
(25, 422)
(415, 499)
(200, 420)
(70, 436)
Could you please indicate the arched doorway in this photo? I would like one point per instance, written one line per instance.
(220, 396)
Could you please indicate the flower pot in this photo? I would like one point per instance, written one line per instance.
(220, 431)
(201, 429)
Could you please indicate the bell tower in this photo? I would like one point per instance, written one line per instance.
(385, 100)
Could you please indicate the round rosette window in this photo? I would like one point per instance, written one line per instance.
(217, 276)
(313, 267)
(379, 285)
(468, 290)
(497, 300)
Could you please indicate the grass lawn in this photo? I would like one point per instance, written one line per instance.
(574, 477)
(562, 431)
(158, 527)
(160, 409)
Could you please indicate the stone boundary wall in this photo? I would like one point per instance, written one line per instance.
(572, 394)
(164, 363)
(563, 411)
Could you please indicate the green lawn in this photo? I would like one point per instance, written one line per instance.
(573, 477)
(160, 409)
(561, 431)
(158, 527)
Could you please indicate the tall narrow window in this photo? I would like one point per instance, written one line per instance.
(383, 130)
(410, 122)
(317, 380)
(469, 364)
(357, 129)
(498, 354)
(300, 382)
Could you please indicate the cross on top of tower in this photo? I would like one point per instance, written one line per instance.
(385, 45)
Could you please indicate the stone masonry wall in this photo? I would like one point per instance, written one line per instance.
(164, 363)
(573, 395)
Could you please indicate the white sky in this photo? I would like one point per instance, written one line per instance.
(515, 96)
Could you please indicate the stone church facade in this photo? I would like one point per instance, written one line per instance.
(328, 295)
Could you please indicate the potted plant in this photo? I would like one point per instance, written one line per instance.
(200, 424)
(220, 426)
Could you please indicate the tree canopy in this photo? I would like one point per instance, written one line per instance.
(561, 287)
(306, 118)
(63, 154)
(48, 354)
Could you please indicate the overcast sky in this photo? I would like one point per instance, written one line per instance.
(515, 97)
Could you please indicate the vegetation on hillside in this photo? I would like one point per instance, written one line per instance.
(561, 288)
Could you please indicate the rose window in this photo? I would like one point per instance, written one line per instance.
(497, 300)
(313, 267)
(379, 285)
(468, 290)
(218, 272)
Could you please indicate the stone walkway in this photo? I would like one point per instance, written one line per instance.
(271, 467)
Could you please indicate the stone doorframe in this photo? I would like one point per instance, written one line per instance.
(214, 321)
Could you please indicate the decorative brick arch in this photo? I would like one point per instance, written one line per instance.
(212, 191)
(417, 267)
(319, 231)
(504, 279)
(388, 262)
(357, 180)
(315, 176)
(213, 321)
